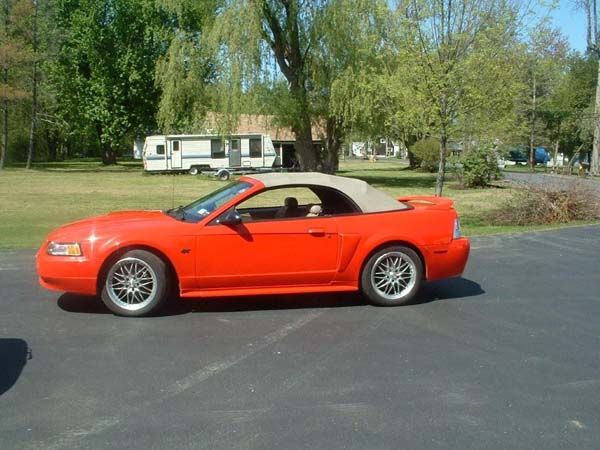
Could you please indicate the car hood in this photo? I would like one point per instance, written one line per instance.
(100, 224)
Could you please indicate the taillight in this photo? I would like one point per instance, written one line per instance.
(456, 233)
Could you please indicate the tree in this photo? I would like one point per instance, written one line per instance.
(185, 71)
(308, 45)
(104, 73)
(34, 81)
(545, 63)
(351, 38)
(27, 24)
(246, 38)
(593, 43)
(459, 54)
(286, 29)
(12, 60)
(570, 107)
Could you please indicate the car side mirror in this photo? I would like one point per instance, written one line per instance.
(229, 217)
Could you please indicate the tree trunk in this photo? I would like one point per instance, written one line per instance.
(439, 182)
(596, 147)
(283, 36)
(305, 149)
(32, 135)
(412, 161)
(34, 86)
(109, 157)
(52, 140)
(333, 143)
(4, 143)
(33, 129)
(555, 158)
(533, 123)
(302, 129)
(408, 143)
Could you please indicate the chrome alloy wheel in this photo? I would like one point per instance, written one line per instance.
(131, 283)
(393, 275)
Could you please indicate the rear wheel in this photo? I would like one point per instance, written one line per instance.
(194, 171)
(392, 276)
(224, 175)
(136, 284)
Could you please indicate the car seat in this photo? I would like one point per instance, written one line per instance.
(289, 208)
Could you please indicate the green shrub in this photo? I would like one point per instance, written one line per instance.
(427, 154)
(479, 166)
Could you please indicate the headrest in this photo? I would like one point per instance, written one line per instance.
(291, 202)
(314, 210)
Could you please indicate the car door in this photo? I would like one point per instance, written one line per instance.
(275, 252)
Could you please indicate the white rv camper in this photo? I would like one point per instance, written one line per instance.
(206, 152)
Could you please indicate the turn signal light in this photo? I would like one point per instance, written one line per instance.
(64, 249)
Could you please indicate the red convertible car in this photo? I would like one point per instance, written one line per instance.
(273, 233)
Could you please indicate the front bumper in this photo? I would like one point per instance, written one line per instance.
(66, 273)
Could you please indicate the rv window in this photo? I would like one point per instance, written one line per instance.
(160, 149)
(175, 146)
(256, 148)
(217, 149)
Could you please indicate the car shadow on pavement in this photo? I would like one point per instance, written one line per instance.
(448, 289)
(14, 354)
(431, 291)
(92, 305)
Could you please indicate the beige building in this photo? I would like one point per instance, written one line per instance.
(282, 137)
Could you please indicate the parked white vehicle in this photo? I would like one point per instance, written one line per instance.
(208, 152)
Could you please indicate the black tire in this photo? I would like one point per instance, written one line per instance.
(392, 276)
(224, 175)
(194, 171)
(135, 284)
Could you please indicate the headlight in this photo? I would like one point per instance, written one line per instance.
(456, 233)
(64, 249)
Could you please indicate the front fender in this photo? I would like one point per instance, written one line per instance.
(177, 250)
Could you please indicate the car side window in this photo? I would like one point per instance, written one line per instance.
(281, 203)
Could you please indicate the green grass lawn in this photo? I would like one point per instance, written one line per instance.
(37, 201)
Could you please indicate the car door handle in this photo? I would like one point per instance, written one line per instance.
(316, 231)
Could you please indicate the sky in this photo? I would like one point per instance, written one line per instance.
(572, 23)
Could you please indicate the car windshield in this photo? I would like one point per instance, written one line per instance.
(202, 207)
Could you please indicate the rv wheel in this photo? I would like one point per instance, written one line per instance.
(224, 175)
(194, 171)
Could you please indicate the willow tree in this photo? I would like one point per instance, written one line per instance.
(185, 71)
(352, 39)
(307, 44)
(249, 35)
(458, 61)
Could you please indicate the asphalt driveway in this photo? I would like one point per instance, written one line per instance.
(507, 357)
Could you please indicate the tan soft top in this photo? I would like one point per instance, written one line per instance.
(366, 197)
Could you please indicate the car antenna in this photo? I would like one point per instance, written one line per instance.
(173, 193)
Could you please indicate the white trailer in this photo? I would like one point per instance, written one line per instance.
(208, 152)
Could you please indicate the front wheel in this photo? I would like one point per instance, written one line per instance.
(136, 284)
(194, 170)
(392, 276)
